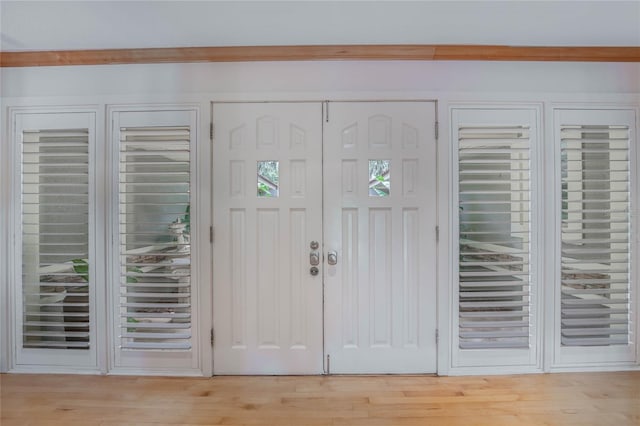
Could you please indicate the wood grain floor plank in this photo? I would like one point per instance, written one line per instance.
(544, 399)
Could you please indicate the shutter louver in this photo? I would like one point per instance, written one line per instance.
(595, 268)
(55, 239)
(494, 227)
(154, 229)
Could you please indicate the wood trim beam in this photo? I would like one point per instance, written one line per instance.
(411, 52)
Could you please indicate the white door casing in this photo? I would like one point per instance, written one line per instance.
(380, 297)
(267, 306)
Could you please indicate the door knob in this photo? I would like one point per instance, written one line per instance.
(314, 258)
(332, 257)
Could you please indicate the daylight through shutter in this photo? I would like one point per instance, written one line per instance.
(494, 225)
(154, 229)
(595, 235)
(55, 239)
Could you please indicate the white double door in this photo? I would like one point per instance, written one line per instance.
(325, 237)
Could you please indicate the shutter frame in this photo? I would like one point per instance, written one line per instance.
(488, 356)
(131, 353)
(67, 349)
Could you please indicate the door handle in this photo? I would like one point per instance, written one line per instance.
(332, 257)
(314, 258)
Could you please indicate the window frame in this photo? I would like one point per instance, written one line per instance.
(473, 361)
(40, 359)
(186, 363)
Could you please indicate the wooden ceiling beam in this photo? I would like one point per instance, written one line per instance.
(400, 52)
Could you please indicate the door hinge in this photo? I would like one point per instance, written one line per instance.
(211, 234)
(437, 234)
(326, 111)
(437, 336)
(212, 336)
(328, 364)
(211, 130)
(437, 129)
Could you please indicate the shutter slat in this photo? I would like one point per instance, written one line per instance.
(493, 334)
(162, 336)
(494, 324)
(156, 325)
(164, 345)
(495, 314)
(148, 315)
(597, 322)
(495, 344)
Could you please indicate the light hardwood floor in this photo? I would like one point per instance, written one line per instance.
(545, 399)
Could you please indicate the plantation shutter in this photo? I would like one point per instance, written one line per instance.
(155, 256)
(154, 232)
(595, 228)
(494, 167)
(57, 273)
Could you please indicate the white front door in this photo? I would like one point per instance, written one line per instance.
(267, 211)
(380, 221)
(374, 197)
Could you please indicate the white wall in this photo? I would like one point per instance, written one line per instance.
(235, 79)
(55, 25)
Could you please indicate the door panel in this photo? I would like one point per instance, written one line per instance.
(380, 218)
(267, 209)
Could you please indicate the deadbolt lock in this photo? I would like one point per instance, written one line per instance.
(313, 271)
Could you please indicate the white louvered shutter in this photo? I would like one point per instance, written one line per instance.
(595, 228)
(154, 232)
(57, 273)
(494, 167)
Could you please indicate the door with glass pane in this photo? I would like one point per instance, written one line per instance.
(267, 218)
(372, 190)
(154, 298)
(54, 265)
(380, 237)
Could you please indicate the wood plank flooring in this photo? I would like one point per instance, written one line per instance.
(544, 399)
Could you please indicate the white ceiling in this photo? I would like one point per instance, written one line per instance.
(58, 25)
